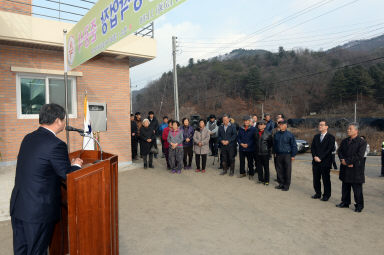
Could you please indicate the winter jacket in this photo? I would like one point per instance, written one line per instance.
(139, 124)
(352, 151)
(229, 135)
(133, 127)
(154, 124)
(284, 143)
(247, 137)
(162, 127)
(263, 143)
(146, 133)
(203, 137)
(187, 133)
(213, 128)
(165, 137)
(175, 137)
(270, 126)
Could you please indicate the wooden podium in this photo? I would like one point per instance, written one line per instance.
(89, 222)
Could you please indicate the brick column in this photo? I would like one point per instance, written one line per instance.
(21, 7)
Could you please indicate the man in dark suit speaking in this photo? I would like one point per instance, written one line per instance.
(322, 147)
(41, 165)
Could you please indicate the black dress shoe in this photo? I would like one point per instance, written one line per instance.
(241, 175)
(358, 209)
(316, 196)
(284, 189)
(151, 166)
(342, 205)
(324, 199)
(279, 187)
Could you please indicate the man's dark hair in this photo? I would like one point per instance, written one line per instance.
(170, 121)
(151, 112)
(132, 115)
(326, 123)
(50, 112)
(165, 117)
(137, 113)
(203, 120)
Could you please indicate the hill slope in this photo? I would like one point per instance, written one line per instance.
(294, 82)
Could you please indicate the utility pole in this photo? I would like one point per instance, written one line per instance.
(66, 89)
(175, 90)
(262, 111)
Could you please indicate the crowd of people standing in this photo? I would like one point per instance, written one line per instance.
(257, 142)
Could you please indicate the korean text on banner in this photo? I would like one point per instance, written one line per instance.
(108, 22)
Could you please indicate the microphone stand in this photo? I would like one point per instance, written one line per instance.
(101, 150)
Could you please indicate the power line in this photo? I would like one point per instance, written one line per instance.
(306, 21)
(317, 30)
(316, 17)
(331, 39)
(282, 21)
(308, 35)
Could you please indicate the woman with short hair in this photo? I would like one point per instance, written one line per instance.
(187, 143)
(201, 145)
(176, 152)
(165, 142)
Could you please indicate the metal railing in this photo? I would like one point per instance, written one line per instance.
(63, 10)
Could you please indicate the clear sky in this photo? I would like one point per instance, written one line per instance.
(207, 28)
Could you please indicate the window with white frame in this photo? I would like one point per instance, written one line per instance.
(35, 90)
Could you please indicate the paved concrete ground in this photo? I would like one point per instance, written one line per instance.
(194, 213)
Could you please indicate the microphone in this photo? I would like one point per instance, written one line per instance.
(69, 128)
(86, 134)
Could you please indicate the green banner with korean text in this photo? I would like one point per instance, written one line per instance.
(108, 22)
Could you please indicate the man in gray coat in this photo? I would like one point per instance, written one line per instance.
(201, 146)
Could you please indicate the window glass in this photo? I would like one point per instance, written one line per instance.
(32, 95)
(57, 93)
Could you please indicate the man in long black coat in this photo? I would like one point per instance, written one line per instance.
(134, 137)
(154, 124)
(322, 147)
(351, 154)
(41, 165)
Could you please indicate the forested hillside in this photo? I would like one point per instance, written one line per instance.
(296, 82)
